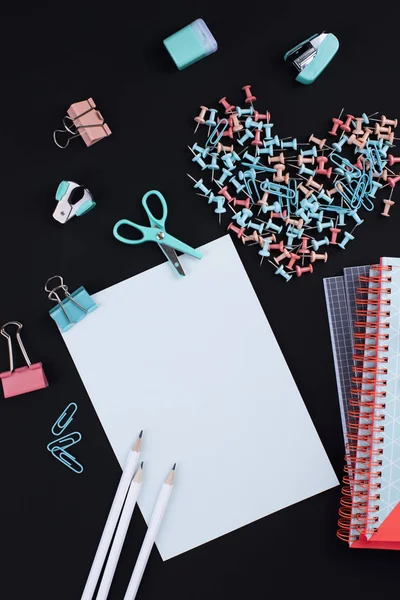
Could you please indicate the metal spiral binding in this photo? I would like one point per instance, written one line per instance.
(361, 482)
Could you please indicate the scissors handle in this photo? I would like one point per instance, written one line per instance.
(147, 233)
(160, 223)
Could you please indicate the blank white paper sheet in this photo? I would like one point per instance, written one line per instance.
(194, 363)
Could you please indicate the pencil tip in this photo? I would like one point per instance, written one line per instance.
(141, 465)
(141, 433)
(173, 468)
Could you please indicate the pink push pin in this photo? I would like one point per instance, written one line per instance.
(200, 119)
(358, 130)
(367, 133)
(304, 160)
(307, 193)
(260, 117)
(229, 108)
(251, 238)
(393, 159)
(346, 125)
(392, 181)
(334, 233)
(359, 164)
(301, 270)
(228, 133)
(317, 141)
(281, 257)
(298, 223)
(336, 124)
(304, 249)
(257, 141)
(278, 215)
(276, 159)
(245, 203)
(279, 168)
(249, 96)
(224, 192)
(238, 230)
(221, 148)
(293, 258)
(263, 201)
(276, 246)
(314, 184)
(321, 160)
(237, 126)
(388, 204)
(23, 379)
(379, 129)
(315, 256)
(386, 121)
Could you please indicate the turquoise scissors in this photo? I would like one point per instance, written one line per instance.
(157, 233)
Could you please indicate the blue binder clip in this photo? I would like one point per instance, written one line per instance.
(73, 200)
(73, 308)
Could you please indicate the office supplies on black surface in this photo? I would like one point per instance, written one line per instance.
(58, 447)
(83, 119)
(21, 380)
(370, 505)
(292, 210)
(73, 200)
(112, 519)
(191, 44)
(151, 535)
(157, 233)
(171, 341)
(120, 534)
(73, 308)
(312, 56)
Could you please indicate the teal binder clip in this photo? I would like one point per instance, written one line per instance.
(312, 56)
(73, 308)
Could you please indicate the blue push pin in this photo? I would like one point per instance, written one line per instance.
(347, 238)
(213, 166)
(311, 152)
(247, 136)
(239, 186)
(244, 111)
(268, 150)
(322, 226)
(290, 237)
(281, 271)
(264, 250)
(317, 244)
(250, 123)
(225, 174)
(273, 227)
(211, 122)
(338, 146)
(291, 144)
(250, 158)
(268, 128)
(375, 185)
(73, 308)
(200, 186)
(258, 226)
(199, 160)
(341, 222)
(227, 159)
(303, 169)
(324, 196)
(303, 215)
(355, 216)
(199, 149)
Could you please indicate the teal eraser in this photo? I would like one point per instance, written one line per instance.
(190, 44)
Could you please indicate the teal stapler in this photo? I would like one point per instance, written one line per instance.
(312, 56)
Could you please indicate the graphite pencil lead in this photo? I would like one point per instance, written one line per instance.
(173, 468)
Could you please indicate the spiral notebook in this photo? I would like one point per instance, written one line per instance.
(370, 504)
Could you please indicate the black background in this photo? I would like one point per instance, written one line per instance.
(57, 53)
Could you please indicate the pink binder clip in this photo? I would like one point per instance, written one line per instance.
(85, 120)
(24, 379)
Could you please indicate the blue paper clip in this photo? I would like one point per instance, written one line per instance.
(66, 441)
(67, 459)
(211, 140)
(73, 308)
(64, 419)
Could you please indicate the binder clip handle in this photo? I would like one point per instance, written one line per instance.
(19, 340)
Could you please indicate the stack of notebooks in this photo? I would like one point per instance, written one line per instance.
(363, 311)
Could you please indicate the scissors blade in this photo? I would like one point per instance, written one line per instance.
(173, 258)
(177, 245)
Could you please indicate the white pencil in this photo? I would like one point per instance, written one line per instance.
(150, 538)
(120, 535)
(112, 519)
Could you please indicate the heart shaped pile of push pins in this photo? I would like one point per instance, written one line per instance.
(292, 208)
